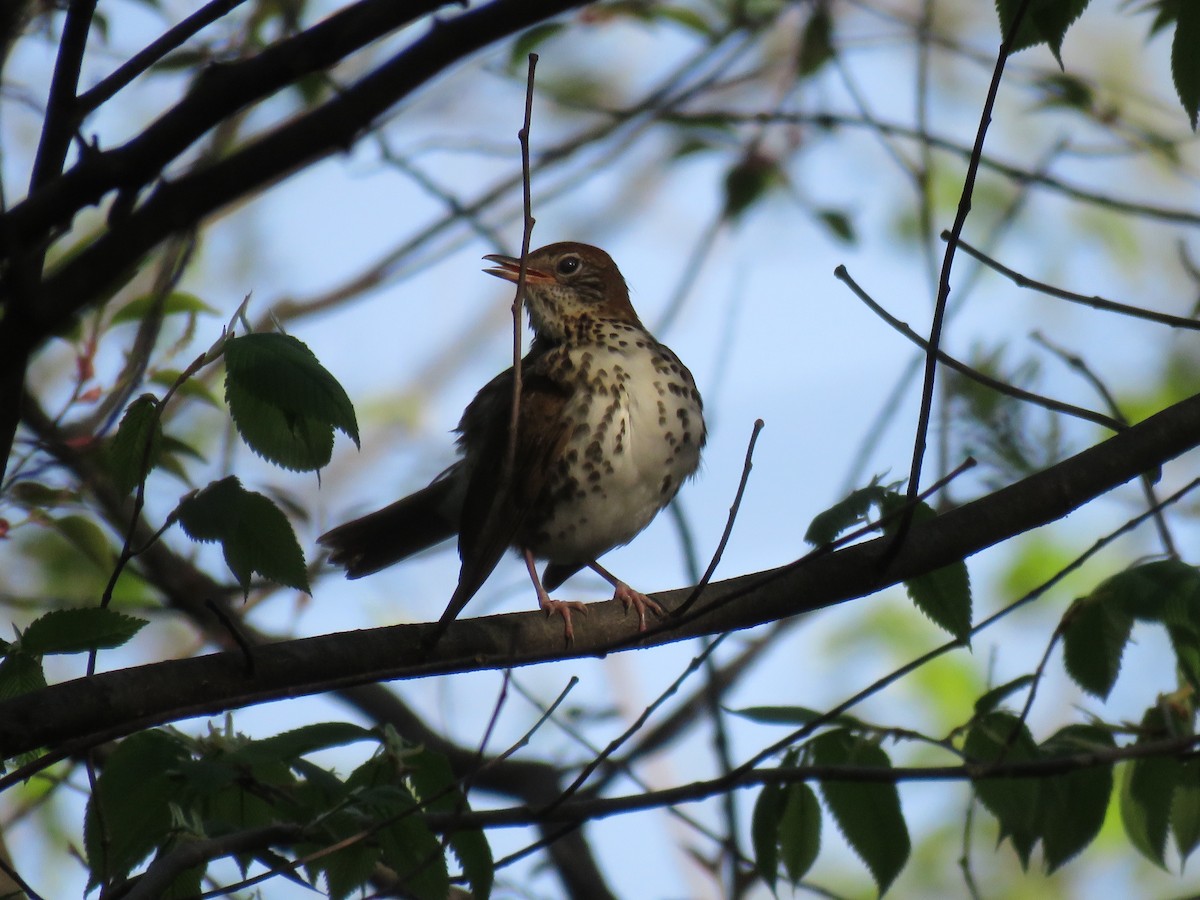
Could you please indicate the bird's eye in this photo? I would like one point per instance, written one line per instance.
(568, 265)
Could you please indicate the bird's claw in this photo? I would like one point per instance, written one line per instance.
(563, 608)
(636, 600)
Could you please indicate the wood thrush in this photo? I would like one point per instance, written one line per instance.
(610, 425)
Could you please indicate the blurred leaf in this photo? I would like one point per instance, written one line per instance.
(79, 630)
(838, 224)
(284, 403)
(1185, 58)
(1094, 639)
(992, 698)
(193, 388)
(1070, 91)
(138, 444)
(1075, 803)
(1165, 591)
(1147, 791)
(747, 182)
(867, 813)
(254, 535)
(38, 495)
(764, 831)
(176, 302)
(133, 792)
(1185, 809)
(816, 43)
(1045, 21)
(1002, 737)
(685, 16)
(529, 40)
(799, 831)
(87, 537)
(793, 716)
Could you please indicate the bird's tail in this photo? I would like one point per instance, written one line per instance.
(388, 535)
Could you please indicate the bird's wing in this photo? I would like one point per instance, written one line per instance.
(494, 510)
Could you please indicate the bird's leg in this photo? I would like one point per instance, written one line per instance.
(628, 596)
(561, 607)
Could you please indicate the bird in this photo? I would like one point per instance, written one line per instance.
(610, 425)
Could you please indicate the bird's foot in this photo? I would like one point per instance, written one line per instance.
(636, 600)
(562, 608)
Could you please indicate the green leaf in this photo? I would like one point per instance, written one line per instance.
(747, 182)
(309, 739)
(868, 813)
(192, 388)
(529, 40)
(350, 868)
(794, 716)
(254, 534)
(284, 403)
(20, 673)
(1001, 736)
(1045, 21)
(88, 538)
(138, 444)
(685, 16)
(1185, 809)
(177, 302)
(838, 224)
(1094, 637)
(437, 789)
(1074, 803)
(1166, 591)
(1185, 58)
(992, 698)
(764, 831)
(845, 514)
(1147, 790)
(79, 630)
(133, 793)
(816, 43)
(943, 594)
(799, 831)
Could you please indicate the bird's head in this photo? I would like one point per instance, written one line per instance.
(568, 283)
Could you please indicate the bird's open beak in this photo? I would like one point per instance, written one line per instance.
(509, 268)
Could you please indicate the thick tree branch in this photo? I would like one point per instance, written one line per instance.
(116, 703)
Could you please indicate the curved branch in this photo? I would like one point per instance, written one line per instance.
(85, 711)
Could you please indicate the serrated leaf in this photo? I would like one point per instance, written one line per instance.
(1147, 790)
(87, 537)
(1185, 809)
(1094, 639)
(845, 514)
(349, 868)
(138, 444)
(254, 534)
(799, 831)
(79, 630)
(944, 595)
(1166, 591)
(868, 814)
(764, 831)
(133, 790)
(816, 43)
(176, 302)
(992, 698)
(20, 673)
(1185, 58)
(437, 788)
(1045, 21)
(284, 403)
(1001, 736)
(1074, 803)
